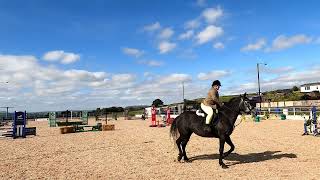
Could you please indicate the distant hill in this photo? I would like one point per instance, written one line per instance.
(289, 95)
(292, 94)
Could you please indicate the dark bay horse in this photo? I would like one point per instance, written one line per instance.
(189, 122)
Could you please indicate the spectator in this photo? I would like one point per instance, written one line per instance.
(305, 125)
(314, 120)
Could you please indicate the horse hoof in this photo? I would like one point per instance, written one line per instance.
(224, 166)
(179, 158)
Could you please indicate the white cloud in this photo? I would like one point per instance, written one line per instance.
(152, 63)
(83, 75)
(192, 24)
(280, 70)
(31, 85)
(166, 33)
(123, 78)
(218, 45)
(283, 42)
(209, 33)
(174, 78)
(201, 3)
(132, 52)
(166, 46)
(147, 74)
(256, 46)
(36, 87)
(213, 75)
(169, 88)
(188, 54)
(186, 35)
(152, 27)
(281, 81)
(211, 15)
(61, 56)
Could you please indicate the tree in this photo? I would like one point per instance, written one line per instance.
(157, 103)
(97, 113)
(295, 88)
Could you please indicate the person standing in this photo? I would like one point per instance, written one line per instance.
(314, 120)
(153, 115)
(168, 115)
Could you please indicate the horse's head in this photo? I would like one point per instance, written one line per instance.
(245, 107)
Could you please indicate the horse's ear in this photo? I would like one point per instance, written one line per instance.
(245, 94)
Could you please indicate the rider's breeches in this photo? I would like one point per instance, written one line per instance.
(209, 111)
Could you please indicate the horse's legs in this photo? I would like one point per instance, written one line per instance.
(228, 141)
(222, 141)
(183, 146)
(178, 141)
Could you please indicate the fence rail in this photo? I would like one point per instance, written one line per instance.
(293, 111)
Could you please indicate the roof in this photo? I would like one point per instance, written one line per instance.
(310, 84)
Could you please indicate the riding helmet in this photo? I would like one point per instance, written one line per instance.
(216, 82)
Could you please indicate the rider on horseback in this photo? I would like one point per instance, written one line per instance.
(211, 103)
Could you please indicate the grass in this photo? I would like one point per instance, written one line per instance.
(133, 113)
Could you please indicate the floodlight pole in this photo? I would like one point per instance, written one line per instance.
(259, 92)
(183, 91)
(183, 95)
(259, 89)
(7, 112)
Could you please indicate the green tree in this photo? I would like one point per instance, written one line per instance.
(295, 88)
(157, 102)
(97, 113)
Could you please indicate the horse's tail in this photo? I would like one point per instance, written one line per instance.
(173, 129)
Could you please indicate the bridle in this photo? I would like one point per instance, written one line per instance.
(246, 105)
(240, 104)
(241, 111)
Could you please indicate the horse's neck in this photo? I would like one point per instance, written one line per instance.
(231, 112)
(231, 116)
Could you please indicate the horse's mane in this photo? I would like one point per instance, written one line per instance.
(232, 101)
(230, 107)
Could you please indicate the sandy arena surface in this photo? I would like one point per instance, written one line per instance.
(272, 149)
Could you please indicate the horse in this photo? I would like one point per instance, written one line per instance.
(189, 122)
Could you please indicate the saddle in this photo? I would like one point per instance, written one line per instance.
(201, 113)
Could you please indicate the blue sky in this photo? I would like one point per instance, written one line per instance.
(61, 55)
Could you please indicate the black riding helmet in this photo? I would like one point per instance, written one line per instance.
(216, 82)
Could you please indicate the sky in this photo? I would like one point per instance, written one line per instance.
(58, 55)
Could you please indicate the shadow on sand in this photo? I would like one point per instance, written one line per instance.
(246, 158)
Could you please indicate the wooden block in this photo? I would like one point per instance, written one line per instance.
(67, 129)
(108, 127)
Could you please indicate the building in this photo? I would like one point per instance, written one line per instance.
(310, 87)
(295, 110)
(175, 110)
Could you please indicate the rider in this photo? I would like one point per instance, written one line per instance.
(211, 103)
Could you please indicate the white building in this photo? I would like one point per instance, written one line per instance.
(175, 110)
(148, 111)
(310, 87)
